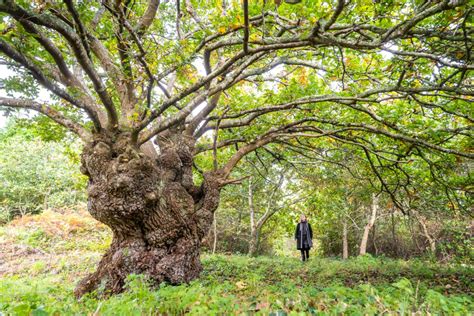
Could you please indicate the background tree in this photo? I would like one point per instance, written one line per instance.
(338, 182)
(247, 215)
(390, 78)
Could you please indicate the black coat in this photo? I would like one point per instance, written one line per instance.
(299, 237)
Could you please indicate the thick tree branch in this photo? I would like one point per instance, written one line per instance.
(67, 77)
(17, 12)
(79, 26)
(50, 112)
(35, 71)
(246, 26)
(147, 18)
(334, 16)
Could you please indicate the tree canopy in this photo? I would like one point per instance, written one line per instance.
(360, 72)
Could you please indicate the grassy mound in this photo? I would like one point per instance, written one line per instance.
(52, 242)
(44, 255)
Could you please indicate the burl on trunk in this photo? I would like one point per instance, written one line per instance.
(157, 215)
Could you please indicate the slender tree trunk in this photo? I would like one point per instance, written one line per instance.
(374, 239)
(257, 239)
(394, 235)
(253, 243)
(370, 224)
(345, 246)
(431, 240)
(214, 245)
(256, 226)
(157, 216)
(253, 228)
(414, 236)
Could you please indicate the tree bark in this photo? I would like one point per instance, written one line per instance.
(370, 224)
(253, 227)
(214, 244)
(253, 249)
(345, 247)
(157, 216)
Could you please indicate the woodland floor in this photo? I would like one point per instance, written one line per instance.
(43, 256)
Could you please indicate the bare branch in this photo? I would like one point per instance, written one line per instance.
(224, 143)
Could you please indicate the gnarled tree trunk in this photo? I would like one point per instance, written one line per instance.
(157, 216)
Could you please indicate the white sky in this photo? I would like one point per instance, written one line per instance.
(3, 121)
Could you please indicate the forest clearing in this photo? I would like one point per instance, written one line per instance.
(43, 255)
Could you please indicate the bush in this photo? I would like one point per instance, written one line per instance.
(35, 175)
(456, 241)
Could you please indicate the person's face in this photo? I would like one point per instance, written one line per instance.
(302, 218)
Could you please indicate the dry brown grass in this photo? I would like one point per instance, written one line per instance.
(52, 241)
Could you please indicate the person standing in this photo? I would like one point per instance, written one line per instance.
(304, 237)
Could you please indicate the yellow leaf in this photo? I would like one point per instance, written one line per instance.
(240, 285)
(221, 29)
(303, 78)
(254, 37)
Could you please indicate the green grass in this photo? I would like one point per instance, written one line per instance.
(43, 256)
(238, 284)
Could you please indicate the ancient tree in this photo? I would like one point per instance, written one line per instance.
(149, 87)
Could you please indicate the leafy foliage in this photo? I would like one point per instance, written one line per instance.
(37, 174)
